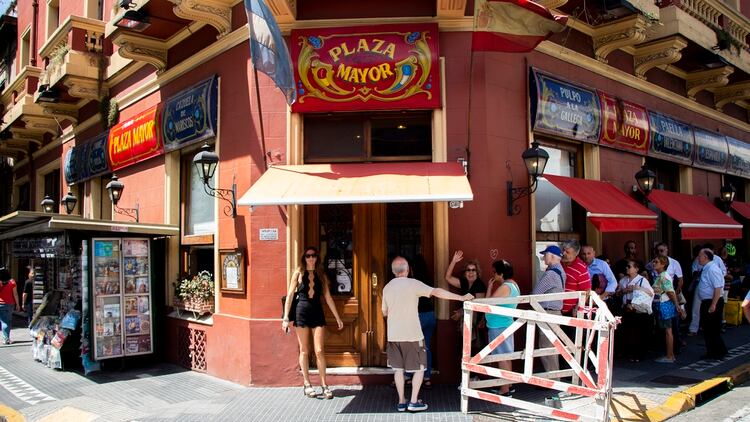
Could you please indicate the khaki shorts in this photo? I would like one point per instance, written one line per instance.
(410, 356)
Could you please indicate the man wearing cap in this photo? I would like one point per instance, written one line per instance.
(552, 281)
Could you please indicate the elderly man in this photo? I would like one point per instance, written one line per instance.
(577, 275)
(599, 268)
(710, 293)
(552, 281)
(406, 348)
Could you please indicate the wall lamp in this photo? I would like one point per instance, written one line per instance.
(727, 194)
(134, 20)
(48, 205)
(535, 159)
(69, 201)
(114, 189)
(645, 179)
(206, 161)
(47, 94)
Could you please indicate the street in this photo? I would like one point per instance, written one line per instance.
(733, 406)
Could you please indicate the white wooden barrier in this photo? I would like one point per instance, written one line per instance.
(593, 322)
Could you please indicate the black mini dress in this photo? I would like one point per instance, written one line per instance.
(310, 309)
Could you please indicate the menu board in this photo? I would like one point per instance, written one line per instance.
(122, 298)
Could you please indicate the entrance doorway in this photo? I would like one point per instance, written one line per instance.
(357, 243)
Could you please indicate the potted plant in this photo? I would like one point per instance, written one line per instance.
(196, 293)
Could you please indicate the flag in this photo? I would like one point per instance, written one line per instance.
(268, 51)
(512, 26)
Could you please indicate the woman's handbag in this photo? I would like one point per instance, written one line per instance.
(641, 302)
(292, 309)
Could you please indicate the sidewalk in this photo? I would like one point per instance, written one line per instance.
(167, 392)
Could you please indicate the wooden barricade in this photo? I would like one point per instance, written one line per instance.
(594, 328)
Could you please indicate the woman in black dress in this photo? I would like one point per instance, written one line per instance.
(309, 283)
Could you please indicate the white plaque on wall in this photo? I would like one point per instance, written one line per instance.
(269, 234)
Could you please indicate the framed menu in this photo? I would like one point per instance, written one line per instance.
(122, 297)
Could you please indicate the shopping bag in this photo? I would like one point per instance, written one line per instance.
(641, 302)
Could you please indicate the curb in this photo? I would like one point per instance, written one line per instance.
(8, 414)
(685, 400)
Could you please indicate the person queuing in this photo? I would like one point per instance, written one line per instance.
(551, 281)
(502, 285)
(577, 278)
(636, 320)
(669, 306)
(674, 270)
(695, 305)
(470, 281)
(8, 303)
(710, 293)
(599, 269)
(309, 283)
(631, 254)
(406, 348)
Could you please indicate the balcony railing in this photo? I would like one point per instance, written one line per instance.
(719, 17)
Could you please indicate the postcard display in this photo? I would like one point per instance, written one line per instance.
(122, 298)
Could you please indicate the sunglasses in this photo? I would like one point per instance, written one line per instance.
(471, 270)
(311, 255)
(629, 266)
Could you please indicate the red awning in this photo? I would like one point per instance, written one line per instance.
(698, 218)
(609, 209)
(742, 208)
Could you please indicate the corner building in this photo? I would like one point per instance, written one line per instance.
(402, 142)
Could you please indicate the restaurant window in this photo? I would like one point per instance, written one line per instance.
(198, 220)
(53, 16)
(368, 137)
(554, 209)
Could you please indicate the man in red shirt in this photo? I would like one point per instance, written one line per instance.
(8, 302)
(577, 275)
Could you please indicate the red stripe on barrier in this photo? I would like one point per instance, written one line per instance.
(580, 323)
(481, 308)
(563, 351)
(603, 360)
(479, 369)
(574, 389)
(489, 397)
(565, 415)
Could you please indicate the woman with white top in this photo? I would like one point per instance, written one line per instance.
(635, 323)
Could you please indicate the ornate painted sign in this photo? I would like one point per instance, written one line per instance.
(366, 68)
(670, 139)
(563, 109)
(87, 160)
(711, 151)
(191, 115)
(135, 140)
(624, 124)
(739, 157)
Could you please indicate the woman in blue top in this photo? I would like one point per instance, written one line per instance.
(502, 285)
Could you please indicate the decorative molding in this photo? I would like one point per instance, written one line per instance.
(627, 31)
(61, 112)
(17, 85)
(41, 124)
(731, 93)
(31, 136)
(589, 63)
(216, 13)
(658, 53)
(142, 48)
(451, 8)
(85, 88)
(285, 11)
(696, 82)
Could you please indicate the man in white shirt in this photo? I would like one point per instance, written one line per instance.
(406, 348)
(710, 293)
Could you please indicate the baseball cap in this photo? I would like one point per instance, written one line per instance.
(553, 249)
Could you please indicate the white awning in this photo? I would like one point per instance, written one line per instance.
(359, 183)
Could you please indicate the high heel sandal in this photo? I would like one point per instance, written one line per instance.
(309, 391)
(327, 392)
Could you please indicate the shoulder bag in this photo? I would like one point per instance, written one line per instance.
(293, 308)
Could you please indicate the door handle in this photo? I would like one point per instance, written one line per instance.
(374, 279)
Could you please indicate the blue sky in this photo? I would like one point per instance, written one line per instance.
(4, 6)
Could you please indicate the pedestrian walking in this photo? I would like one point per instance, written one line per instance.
(406, 348)
(8, 303)
(502, 285)
(310, 285)
(710, 293)
(552, 281)
(27, 297)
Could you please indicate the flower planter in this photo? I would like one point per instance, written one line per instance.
(196, 306)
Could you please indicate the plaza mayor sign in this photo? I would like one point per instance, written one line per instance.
(624, 124)
(135, 140)
(366, 68)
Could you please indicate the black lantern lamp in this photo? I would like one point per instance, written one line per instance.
(134, 20)
(48, 205)
(535, 159)
(69, 201)
(645, 179)
(205, 162)
(727, 194)
(114, 189)
(47, 94)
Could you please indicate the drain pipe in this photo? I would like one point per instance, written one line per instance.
(34, 30)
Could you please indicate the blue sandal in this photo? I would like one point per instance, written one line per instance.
(401, 407)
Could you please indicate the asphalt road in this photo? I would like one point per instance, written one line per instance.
(732, 406)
